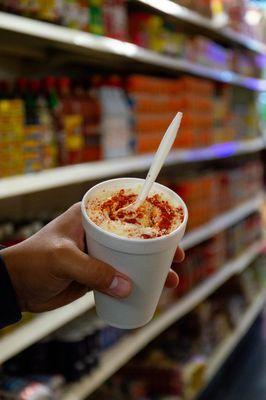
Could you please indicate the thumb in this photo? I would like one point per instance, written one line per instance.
(95, 274)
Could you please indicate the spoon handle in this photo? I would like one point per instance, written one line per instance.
(159, 158)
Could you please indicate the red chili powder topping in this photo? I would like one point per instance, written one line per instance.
(168, 213)
(145, 236)
(118, 201)
(158, 213)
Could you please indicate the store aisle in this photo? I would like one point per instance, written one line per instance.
(244, 375)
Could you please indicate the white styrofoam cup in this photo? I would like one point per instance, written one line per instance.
(145, 261)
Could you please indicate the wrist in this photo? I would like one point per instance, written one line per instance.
(10, 310)
(12, 257)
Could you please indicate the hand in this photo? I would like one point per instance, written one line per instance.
(50, 269)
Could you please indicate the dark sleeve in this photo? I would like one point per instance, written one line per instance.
(9, 308)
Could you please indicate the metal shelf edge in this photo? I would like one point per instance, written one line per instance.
(86, 41)
(63, 176)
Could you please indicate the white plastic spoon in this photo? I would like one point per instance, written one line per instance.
(158, 161)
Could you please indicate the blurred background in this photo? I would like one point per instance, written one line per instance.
(87, 89)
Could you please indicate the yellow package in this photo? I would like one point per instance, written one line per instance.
(73, 139)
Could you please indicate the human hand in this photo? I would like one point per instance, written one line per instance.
(51, 269)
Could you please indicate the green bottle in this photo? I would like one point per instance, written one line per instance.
(96, 23)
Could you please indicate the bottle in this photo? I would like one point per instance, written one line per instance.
(50, 10)
(93, 149)
(72, 142)
(70, 16)
(96, 17)
(33, 8)
(16, 388)
(115, 120)
(83, 15)
(12, 121)
(50, 94)
(46, 126)
(33, 135)
(24, 7)
(115, 19)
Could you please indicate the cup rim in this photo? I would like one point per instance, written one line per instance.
(134, 240)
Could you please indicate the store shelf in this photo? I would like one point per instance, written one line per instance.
(221, 222)
(227, 347)
(215, 26)
(46, 323)
(41, 326)
(42, 34)
(74, 174)
(121, 353)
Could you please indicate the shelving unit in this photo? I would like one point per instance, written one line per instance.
(227, 347)
(46, 323)
(121, 353)
(73, 174)
(41, 326)
(47, 36)
(183, 14)
(42, 41)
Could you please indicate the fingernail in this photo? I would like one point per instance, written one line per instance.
(120, 287)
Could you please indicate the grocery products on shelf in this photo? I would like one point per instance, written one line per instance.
(236, 12)
(41, 387)
(153, 32)
(207, 258)
(61, 121)
(210, 193)
(102, 17)
(110, 17)
(212, 113)
(176, 363)
(146, 29)
(238, 15)
(71, 352)
(58, 122)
